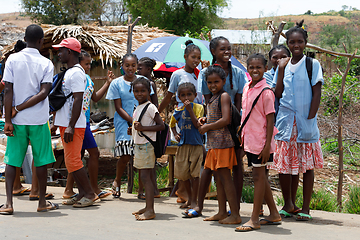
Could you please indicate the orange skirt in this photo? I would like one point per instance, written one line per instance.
(220, 158)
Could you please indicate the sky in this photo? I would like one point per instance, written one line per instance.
(246, 9)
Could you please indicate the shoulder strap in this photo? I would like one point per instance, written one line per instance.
(143, 112)
(252, 107)
(309, 67)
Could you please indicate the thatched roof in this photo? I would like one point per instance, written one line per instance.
(106, 43)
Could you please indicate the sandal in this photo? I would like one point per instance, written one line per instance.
(23, 191)
(49, 206)
(70, 201)
(6, 211)
(303, 217)
(141, 196)
(83, 202)
(103, 194)
(48, 196)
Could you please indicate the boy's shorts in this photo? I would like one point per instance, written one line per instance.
(72, 150)
(89, 140)
(188, 161)
(253, 160)
(144, 156)
(40, 140)
(220, 158)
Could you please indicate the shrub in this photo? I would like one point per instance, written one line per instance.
(353, 203)
(247, 194)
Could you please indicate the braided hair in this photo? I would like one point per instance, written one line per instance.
(297, 28)
(213, 45)
(130, 55)
(190, 46)
(83, 54)
(217, 69)
(148, 62)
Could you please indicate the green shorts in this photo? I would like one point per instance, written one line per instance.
(39, 137)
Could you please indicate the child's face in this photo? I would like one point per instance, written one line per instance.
(193, 58)
(86, 64)
(143, 70)
(222, 51)
(276, 55)
(256, 69)
(186, 94)
(215, 83)
(129, 65)
(141, 93)
(296, 44)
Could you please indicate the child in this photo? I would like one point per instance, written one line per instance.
(124, 100)
(257, 139)
(145, 68)
(144, 156)
(189, 73)
(221, 155)
(235, 81)
(275, 54)
(298, 141)
(89, 143)
(189, 155)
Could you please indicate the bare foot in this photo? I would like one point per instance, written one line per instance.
(145, 216)
(250, 224)
(185, 205)
(231, 220)
(181, 195)
(216, 217)
(141, 211)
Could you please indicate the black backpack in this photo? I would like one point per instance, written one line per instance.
(235, 123)
(162, 137)
(56, 96)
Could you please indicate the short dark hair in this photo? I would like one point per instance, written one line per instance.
(217, 69)
(257, 56)
(279, 47)
(297, 28)
(186, 85)
(83, 54)
(33, 33)
(148, 62)
(141, 80)
(190, 46)
(20, 45)
(130, 55)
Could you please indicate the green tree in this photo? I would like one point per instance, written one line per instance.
(178, 15)
(64, 11)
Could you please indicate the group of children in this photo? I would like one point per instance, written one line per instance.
(278, 128)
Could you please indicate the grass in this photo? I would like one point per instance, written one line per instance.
(162, 174)
(352, 205)
(247, 194)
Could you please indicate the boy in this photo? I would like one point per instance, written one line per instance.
(146, 122)
(72, 122)
(28, 79)
(190, 152)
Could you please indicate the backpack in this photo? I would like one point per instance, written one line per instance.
(56, 96)
(235, 123)
(162, 137)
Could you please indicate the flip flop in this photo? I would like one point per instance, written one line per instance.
(6, 211)
(23, 191)
(284, 214)
(51, 206)
(244, 228)
(269, 222)
(83, 202)
(303, 217)
(97, 199)
(141, 196)
(157, 196)
(116, 192)
(67, 197)
(103, 194)
(48, 196)
(193, 213)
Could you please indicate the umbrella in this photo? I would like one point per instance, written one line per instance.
(168, 52)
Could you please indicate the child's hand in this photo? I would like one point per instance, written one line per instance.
(282, 62)
(178, 137)
(111, 76)
(138, 126)
(13, 112)
(129, 131)
(203, 129)
(187, 105)
(202, 121)
(205, 63)
(265, 154)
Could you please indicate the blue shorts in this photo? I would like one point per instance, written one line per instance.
(89, 140)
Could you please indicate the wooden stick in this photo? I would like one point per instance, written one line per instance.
(275, 40)
(340, 130)
(130, 31)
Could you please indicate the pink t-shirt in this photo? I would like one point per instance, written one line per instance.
(253, 134)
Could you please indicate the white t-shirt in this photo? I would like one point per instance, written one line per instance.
(27, 70)
(147, 120)
(293, 67)
(74, 82)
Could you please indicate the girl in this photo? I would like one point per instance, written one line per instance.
(124, 100)
(235, 81)
(145, 68)
(221, 155)
(89, 143)
(275, 54)
(297, 143)
(144, 158)
(257, 139)
(189, 73)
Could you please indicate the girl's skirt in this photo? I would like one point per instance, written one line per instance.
(220, 158)
(124, 148)
(294, 158)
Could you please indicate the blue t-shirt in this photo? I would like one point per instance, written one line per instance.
(189, 134)
(119, 88)
(269, 76)
(239, 80)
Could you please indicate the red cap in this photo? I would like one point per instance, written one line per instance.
(70, 43)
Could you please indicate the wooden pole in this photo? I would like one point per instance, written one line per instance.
(340, 130)
(130, 31)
